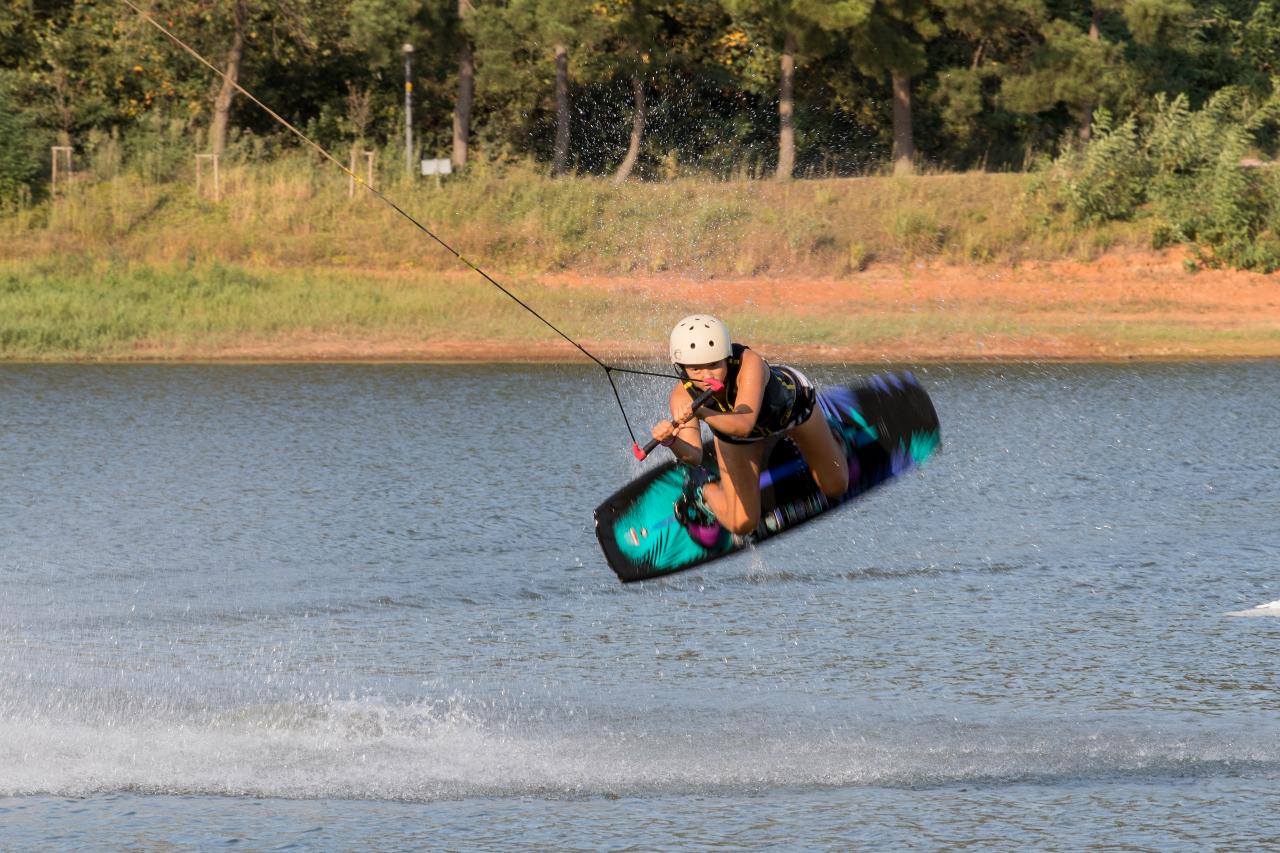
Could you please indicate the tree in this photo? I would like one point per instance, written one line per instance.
(780, 21)
(466, 90)
(368, 57)
(230, 76)
(18, 162)
(887, 38)
(982, 41)
(519, 41)
(636, 32)
(787, 109)
(265, 41)
(1074, 65)
(76, 77)
(17, 33)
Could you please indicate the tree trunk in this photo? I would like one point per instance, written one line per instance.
(786, 110)
(560, 158)
(637, 133)
(466, 93)
(904, 146)
(222, 105)
(1086, 118)
(64, 100)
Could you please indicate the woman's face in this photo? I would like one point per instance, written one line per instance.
(699, 373)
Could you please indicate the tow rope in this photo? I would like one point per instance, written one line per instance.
(609, 369)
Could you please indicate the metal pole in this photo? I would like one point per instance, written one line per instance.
(408, 109)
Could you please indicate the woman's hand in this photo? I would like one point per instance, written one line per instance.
(665, 432)
(683, 411)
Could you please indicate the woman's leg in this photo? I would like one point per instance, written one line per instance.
(735, 497)
(823, 454)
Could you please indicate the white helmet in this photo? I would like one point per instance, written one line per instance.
(700, 339)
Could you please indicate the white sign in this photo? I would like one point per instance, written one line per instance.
(443, 166)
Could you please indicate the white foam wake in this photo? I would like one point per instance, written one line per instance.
(1271, 608)
(371, 749)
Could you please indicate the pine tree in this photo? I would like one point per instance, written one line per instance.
(466, 90)
(1077, 64)
(780, 22)
(982, 41)
(520, 40)
(886, 38)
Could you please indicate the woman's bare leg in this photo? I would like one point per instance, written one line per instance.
(735, 497)
(823, 454)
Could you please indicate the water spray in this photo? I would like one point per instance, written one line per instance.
(608, 369)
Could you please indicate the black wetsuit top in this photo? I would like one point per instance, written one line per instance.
(788, 400)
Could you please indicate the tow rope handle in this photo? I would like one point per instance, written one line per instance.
(713, 385)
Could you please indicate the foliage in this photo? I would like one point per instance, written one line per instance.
(1000, 78)
(19, 158)
(1108, 178)
(1189, 170)
(995, 84)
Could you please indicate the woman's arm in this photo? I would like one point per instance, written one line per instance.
(686, 439)
(753, 376)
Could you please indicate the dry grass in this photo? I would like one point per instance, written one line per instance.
(128, 268)
(295, 213)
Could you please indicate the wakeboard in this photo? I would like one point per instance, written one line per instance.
(887, 424)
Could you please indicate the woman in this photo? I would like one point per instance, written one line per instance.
(757, 401)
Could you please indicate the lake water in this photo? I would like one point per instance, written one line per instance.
(357, 607)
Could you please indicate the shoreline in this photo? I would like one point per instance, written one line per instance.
(1120, 308)
(537, 355)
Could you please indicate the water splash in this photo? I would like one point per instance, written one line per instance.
(370, 748)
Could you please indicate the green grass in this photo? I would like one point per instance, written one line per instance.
(110, 310)
(125, 267)
(80, 308)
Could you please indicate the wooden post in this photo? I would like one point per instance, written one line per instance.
(217, 184)
(54, 152)
(368, 171)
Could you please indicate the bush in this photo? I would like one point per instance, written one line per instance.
(1203, 192)
(1110, 176)
(19, 163)
(1187, 169)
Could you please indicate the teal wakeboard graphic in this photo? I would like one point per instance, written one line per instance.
(886, 424)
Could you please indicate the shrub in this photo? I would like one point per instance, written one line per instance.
(1187, 170)
(1110, 178)
(19, 163)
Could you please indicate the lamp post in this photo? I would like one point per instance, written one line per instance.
(408, 109)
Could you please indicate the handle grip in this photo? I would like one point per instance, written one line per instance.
(713, 385)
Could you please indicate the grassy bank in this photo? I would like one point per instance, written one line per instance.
(79, 309)
(297, 213)
(286, 265)
(76, 309)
